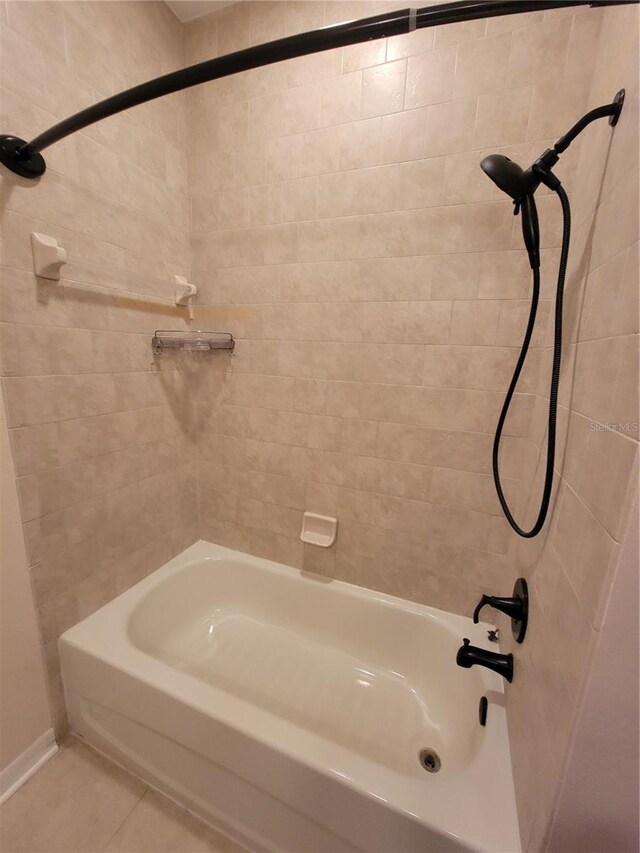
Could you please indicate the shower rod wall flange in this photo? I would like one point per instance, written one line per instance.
(25, 160)
(29, 166)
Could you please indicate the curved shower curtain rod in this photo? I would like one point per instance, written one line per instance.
(24, 158)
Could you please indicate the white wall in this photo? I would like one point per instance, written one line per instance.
(598, 805)
(24, 708)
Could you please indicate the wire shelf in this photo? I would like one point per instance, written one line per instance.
(192, 340)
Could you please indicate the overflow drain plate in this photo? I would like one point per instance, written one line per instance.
(429, 760)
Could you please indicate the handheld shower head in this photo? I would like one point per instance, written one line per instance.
(509, 177)
(520, 185)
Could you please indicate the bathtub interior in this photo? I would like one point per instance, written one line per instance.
(364, 672)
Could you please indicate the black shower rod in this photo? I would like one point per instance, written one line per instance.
(24, 158)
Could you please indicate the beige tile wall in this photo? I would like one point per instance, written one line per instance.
(570, 567)
(100, 435)
(377, 286)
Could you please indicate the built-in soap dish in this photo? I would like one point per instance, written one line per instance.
(321, 530)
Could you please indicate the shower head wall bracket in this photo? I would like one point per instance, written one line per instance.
(24, 164)
(612, 111)
(618, 101)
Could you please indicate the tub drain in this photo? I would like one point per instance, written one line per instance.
(430, 760)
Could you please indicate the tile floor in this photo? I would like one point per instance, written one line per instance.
(81, 803)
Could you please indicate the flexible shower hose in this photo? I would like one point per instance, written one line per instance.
(555, 380)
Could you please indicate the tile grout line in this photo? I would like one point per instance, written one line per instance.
(133, 808)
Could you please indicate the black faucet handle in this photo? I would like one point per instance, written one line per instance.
(486, 599)
(515, 607)
(511, 606)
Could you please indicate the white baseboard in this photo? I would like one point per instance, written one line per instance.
(25, 765)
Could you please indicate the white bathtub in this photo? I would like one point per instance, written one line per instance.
(290, 711)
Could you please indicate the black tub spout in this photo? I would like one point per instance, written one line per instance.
(469, 656)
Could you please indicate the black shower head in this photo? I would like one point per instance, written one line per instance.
(509, 177)
(520, 185)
